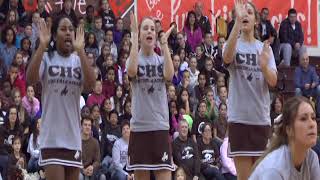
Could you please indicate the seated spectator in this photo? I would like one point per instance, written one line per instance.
(2, 114)
(118, 31)
(265, 26)
(12, 128)
(110, 133)
(217, 57)
(201, 57)
(221, 81)
(184, 101)
(15, 81)
(68, 11)
(41, 8)
(185, 83)
(108, 39)
(126, 116)
(231, 23)
(89, 19)
(31, 103)
(5, 94)
(8, 50)
(117, 101)
(193, 71)
(221, 124)
(185, 152)
(193, 31)
(120, 155)
(200, 89)
(183, 58)
(25, 50)
(212, 108)
(121, 66)
(171, 92)
(97, 121)
(90, 152)
(3, 71)
(177, 77)
(18, 59)
(109, 85)
(106, 108)
(203, 21)
(174, 118)
(182, 43)
(276, 108)
(34, 148)
(17, 158)
(96, 97)
(208, 45)
(199, 120)
(210, 72)
(24, 118)
(91, 44)
(108, 17)
(307, 81)
(85, 111)
(97, 29)
(180, 174)
(291, 38)
(222, 95)
(228, 167)
(35, 30)
(209, 154)
(172, 39)
(15, 5)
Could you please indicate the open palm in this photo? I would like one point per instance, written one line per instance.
(240, 9)
(44, 33)
(78, 41)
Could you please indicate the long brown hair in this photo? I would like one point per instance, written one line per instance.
(289, 112)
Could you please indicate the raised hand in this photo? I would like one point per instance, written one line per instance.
(44, 33)
(164, 38)
(133, 23)
(265, 55)
(78, 41)
(240, 9)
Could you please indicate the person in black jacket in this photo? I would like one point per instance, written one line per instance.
(67, 10)
(265, 26)
(202, 20)
(108, 17)
(291, 37)
(209, 154)
(185, 152)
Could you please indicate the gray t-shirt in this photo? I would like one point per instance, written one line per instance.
(278, 166)
(61, 80)
(249, 99)
(149, 98)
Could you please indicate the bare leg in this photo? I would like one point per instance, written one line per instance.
(141, 175)
(54, 172)
(163, 174)
(244, 166)
(72, 173)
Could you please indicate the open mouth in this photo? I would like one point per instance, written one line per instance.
(245, 21)
(149, 38)
(68, 42)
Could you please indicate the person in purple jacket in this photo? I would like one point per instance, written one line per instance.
(192, 30)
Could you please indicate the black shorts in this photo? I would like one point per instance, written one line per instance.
(60, 156)
(150, 151)
(247, 140)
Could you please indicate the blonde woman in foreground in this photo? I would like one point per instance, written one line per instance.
(289, 155)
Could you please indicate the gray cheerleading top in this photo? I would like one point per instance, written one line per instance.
(149, 97)
(61, 80)
(248, 98)
(278, 165)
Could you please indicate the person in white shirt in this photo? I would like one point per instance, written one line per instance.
(289, 155)
(34, 148)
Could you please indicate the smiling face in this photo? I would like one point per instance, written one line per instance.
(147, 33)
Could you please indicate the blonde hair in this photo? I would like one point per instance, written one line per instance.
(180, 169)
